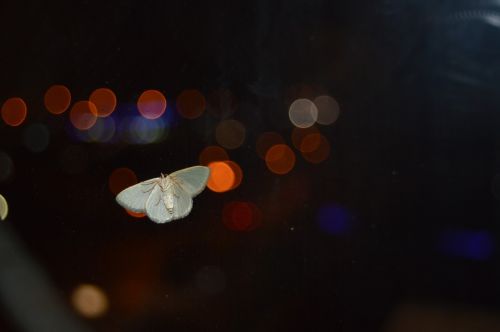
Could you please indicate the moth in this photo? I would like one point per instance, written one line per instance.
(167, 197)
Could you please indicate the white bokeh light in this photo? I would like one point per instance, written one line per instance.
(303, 113)
(328, 109)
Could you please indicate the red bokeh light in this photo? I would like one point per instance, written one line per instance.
(83, 115)
(212, 153)
(57, 99)
(280, 159)
(241, 216)
(104, 100)
(298, 135)
(238, 173)
(14, 111)
(120, 179)
(320, 153)
(152, 104)
(191, 104)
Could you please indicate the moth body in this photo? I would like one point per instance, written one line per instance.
(167, 197)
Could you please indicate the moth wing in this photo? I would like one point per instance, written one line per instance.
(134, 198)
(155, 207)
(192, 179)
(183, 203)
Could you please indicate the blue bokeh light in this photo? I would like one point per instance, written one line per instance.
(334, 219)
(475, 245)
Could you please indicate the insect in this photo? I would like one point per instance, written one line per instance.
(168, 197)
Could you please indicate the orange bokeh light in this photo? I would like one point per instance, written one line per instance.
(319, 154)
(265, 141)
(212, 153)
(83, 115)
(14, 111)
(280, 159)
(238, 173)
(120, 179)
(90, 301)
(104, 100)
(241, 216)
(135, 214)
(152, 104)
(221, 178)
(57, 99)
(310, 143)
(191, 104)
(298, 135)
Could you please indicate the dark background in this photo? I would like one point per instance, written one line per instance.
(414, 155)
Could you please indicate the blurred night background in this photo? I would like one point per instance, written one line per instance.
(354, 149)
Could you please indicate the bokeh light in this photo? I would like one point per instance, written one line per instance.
(241, 216)
(89, 301)
(14, 111)
(210, 280)
(238, 173)
(152, 104)
(135, 214)
(74, 159)
(212, 153)
(222, 177)
(104, 100)
(4, 208)
(335, 220)
(303, 113)
(57, 99)
(76, 134)
(221, 103)
(120, 179)
(139, 130)
(36, 137)
(328, 110)
(230, 134)
(319, 154)
(6, 166)
(191, 104)
(280, 159)
(83, 115)
(310, 143)
(103, 130)
(267, 140)
(298, 135)
(469, 244)
(146, 131)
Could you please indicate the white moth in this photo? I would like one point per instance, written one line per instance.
(168, 197)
